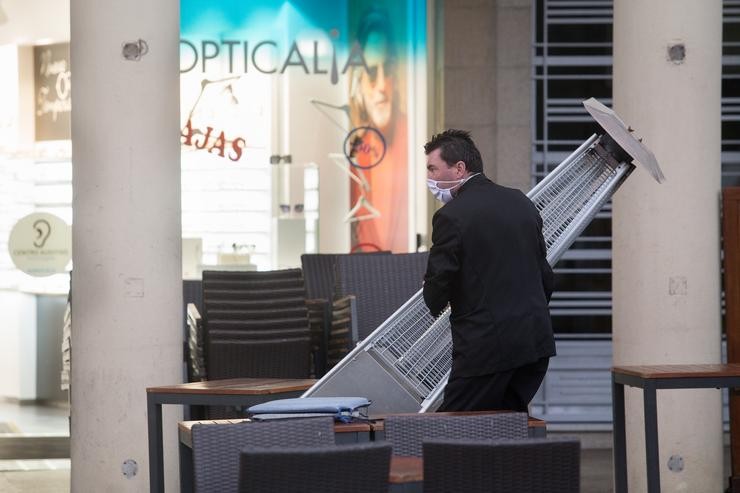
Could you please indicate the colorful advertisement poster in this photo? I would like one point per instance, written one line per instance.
(334, 83)
(52, 84)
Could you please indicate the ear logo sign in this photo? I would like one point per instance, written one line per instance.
(43, 230)
(35, 250)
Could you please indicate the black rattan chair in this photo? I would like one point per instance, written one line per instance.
(319, 316)
(380, 284)
(406, 432)
(357, 468)
(319, 274)
(532, 466)
(216, 447)
(255, 324)
(195, 358)
(340, 335)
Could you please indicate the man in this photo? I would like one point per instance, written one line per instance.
(488, 262)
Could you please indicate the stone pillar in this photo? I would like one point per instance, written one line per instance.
(488, 83)
(127, 287)
(469, 30)
(666, 268)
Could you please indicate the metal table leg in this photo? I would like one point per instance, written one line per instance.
(620, 441)
(186, 468)
(651, 438)
(156, 452)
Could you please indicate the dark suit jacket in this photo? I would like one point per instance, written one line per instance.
(488, 261)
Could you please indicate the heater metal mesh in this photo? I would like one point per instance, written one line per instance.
(416, 349)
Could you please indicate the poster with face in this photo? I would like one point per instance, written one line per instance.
(378, 113)
(269, 84)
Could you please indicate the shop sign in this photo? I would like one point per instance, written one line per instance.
(40, 244)
(240, 57)
(52, 86)
(213, 141)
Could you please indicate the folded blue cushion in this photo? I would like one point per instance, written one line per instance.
(342, 408)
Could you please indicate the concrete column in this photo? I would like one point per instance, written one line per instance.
(513, 143)
(666, 281)
(488, 82)
(469, 76)
(126, 288)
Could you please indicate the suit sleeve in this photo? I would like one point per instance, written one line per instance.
(443, 264)
(548, 278)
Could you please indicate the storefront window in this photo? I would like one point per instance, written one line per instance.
(302, 127)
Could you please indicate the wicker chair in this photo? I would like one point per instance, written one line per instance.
(319, 315)
(196, 362)
(255, 324)
(340, 335)
(406, 432)
(319, 274)
(216, 447)
(359, 468)
(380, 283)
(532, 466)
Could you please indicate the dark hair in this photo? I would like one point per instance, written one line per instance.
(456, 145)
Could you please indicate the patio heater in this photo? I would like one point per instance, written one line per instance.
(404, 364)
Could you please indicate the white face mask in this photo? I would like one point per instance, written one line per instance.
(444, 195)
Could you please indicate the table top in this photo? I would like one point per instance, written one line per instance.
(237, 386)
(679, 371)
(406, 470)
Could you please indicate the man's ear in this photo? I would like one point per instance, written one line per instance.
(461, 167)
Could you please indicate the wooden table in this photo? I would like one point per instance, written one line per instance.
(649, 379)
(406, 474)
(232, 392)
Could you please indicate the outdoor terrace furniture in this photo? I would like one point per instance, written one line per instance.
(340, 337)
(319, 314)
(319, 273)
(254, 324)
(195, 346)
(502, 466)
(407, 432)
(651, 378)
(360, 468)
(380, 285)
(216, 447)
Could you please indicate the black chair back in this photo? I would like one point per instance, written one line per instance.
(216, 447)
(531, 465)
(380, 284)
(407, 432)
(360, 468)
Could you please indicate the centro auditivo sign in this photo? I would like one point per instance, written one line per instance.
(40, 244)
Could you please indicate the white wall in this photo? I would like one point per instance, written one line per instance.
(18, 348)
(31, 21)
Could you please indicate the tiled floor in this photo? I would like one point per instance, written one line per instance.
(50, 481)
(36, 421)
(595, 476)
